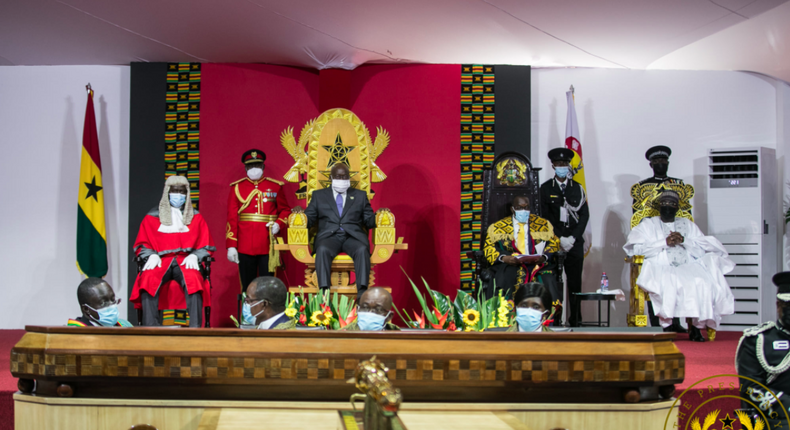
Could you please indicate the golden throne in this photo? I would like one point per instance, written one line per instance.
(336, 136)
(644, 196)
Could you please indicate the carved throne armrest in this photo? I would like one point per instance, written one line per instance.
(384, 238)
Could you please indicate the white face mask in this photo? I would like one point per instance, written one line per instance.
(255, 173)
(340, 185)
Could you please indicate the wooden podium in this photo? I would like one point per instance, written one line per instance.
(74, 368)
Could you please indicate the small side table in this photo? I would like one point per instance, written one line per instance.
(593, 296)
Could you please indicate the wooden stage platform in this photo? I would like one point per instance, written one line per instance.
(86, 369)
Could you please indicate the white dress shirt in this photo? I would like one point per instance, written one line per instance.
(266, 325)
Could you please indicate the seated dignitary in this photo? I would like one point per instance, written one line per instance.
(519, 247)
(683, 269)
(374, 312)
(533, 304)
(763, 356)
(98, 305)
(265, 304)
(173, 237)
(343, 216)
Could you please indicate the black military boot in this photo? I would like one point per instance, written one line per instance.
(695, 334)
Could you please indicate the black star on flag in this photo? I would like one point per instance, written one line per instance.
(93, 189)
(727, 421)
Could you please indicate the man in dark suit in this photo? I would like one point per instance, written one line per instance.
(265, 304)
(564, 203)
(343, 215)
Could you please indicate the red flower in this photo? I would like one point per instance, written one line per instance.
(302, 318)
(301, 308)
(440, 317)
(351, 316)
(547, 322)
(451, 327)
(420, 321)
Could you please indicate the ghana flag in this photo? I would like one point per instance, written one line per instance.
(91, 237)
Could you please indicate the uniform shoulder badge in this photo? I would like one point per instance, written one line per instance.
(754, 331)
(240, 180)
(280, 183)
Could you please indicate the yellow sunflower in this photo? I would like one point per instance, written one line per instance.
(318, 318)
(468, 328)
(471, 317)
(290, 312)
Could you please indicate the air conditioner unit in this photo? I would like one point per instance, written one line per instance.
(744, 214)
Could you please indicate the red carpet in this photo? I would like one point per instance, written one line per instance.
(8, 338)
(702, 360)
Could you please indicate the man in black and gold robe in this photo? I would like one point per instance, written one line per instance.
(519, 248)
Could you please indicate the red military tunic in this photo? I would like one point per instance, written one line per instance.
(170, 246)
(252, 205)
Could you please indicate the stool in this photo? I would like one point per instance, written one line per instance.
(592, 296)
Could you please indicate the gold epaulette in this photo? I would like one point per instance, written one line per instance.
(240, 180)
(280, 183)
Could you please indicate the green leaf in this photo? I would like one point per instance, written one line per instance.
(429, 315)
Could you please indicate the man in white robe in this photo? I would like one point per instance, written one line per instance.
(683, 269)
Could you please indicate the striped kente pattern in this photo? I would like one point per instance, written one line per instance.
(182, 125)
(477, 150)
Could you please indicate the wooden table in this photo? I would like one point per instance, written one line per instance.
(231, 364)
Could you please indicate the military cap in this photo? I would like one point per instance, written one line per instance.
(253, 156)
(561, 154)
(782, 280)
(658, 151)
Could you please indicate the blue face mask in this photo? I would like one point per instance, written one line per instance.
(108, 316)
(529, 319)
(522, 216)
(562, 171)
(246, 313)
(368, 321)
(177, 200)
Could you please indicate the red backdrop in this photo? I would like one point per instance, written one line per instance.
(246, 106)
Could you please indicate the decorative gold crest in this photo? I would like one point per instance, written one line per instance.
(645, 196)
(254, 154)
(511, 172)
(336, 136)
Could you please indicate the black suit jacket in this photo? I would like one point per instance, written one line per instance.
(357, 216)
(552, 199)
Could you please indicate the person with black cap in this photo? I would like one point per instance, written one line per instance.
(257, 211)
(658, 160)
(763, 355)
(563, 203)
(683, 270)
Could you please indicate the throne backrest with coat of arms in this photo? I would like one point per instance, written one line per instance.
(336, 136)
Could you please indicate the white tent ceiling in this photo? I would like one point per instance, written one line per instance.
(637, 34)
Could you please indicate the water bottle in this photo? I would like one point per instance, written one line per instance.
(604, 283)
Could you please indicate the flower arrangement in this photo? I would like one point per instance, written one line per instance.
(318, 310)
(464, 313)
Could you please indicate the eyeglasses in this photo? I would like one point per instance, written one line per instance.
(251, 301)
(107, 303)
(378, 310)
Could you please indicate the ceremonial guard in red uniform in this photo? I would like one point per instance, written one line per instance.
(257, 211)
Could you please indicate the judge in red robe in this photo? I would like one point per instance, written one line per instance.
(174, 238)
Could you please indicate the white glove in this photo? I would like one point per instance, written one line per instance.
(233, 255)
(566, 243)
(191, 262)
(153, 261)
(275, 227)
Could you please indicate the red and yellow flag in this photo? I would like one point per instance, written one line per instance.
(91, 233)
(573, 142)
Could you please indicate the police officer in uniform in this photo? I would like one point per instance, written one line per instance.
(564, 203)
(763, 354)
(257, 208)
(658, 159)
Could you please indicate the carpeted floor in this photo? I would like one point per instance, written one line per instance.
(8, 338)
(702, 360)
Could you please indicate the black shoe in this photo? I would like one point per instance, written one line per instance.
(669, 329)
(695, 335)
(676, 327)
